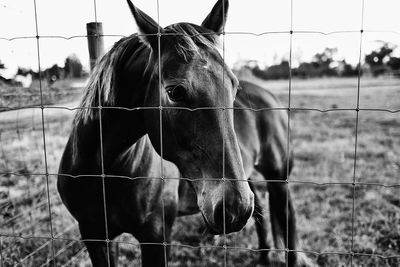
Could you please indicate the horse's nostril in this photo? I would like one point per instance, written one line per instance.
(229, 219)
(219, 215)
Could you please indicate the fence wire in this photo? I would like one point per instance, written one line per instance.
(16, 235)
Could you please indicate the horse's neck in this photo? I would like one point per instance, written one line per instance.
(127, 151)
(140, 159)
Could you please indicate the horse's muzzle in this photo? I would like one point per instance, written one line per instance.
(227, 207)
(233, 222)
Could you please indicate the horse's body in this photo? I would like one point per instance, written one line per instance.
(117, 186)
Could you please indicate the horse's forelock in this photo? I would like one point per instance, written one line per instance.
(189, 39)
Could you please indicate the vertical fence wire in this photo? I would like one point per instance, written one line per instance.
(224, 117)
(224, 110)
(356, 136)
(287, 249)
(103, 173)
(162, 176)
(44, 137)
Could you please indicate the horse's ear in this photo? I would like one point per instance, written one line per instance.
(148, 28)
(215, 21)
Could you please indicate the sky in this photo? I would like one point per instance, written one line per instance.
(245, 18)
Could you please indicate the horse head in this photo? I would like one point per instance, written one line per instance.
(192, 91)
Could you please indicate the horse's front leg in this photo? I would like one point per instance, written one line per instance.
(261, 229)
(283, 219)
(155, 236)
(154, 245)
(100, 251)
(154, 254)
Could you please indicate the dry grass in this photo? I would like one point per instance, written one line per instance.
(324, 145)
(14, 97)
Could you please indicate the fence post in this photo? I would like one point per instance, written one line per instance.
(95, 42)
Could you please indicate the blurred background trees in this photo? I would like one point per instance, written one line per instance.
(73, 67)
(377, 59)
(323, 64)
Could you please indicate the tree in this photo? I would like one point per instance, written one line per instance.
(394, 63)
(279, 71)
(322, 63)
(304, 70)
(23, 71)
(54, 72)
(377, 58)
(347, 70)
(73, 67)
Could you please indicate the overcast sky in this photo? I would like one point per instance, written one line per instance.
(69, 17)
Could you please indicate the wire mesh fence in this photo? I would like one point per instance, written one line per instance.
(36, 230)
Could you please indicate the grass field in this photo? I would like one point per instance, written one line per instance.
(62, 91)
(321, 184)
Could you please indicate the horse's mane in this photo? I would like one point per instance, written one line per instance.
(100, 88)
(129, 53)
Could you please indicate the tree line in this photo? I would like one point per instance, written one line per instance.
(72, 68)
(378, 62)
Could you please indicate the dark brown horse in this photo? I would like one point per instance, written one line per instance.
(167, 91)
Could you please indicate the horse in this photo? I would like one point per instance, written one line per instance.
(165, 129)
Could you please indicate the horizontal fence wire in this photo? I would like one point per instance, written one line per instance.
(14, 38)
(49, 241)
(292, 109)
(80, 240)
(292, 181)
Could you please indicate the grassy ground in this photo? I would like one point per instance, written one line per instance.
(13, 97)
(324, 145)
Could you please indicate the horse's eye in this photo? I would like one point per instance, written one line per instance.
(176, 93)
